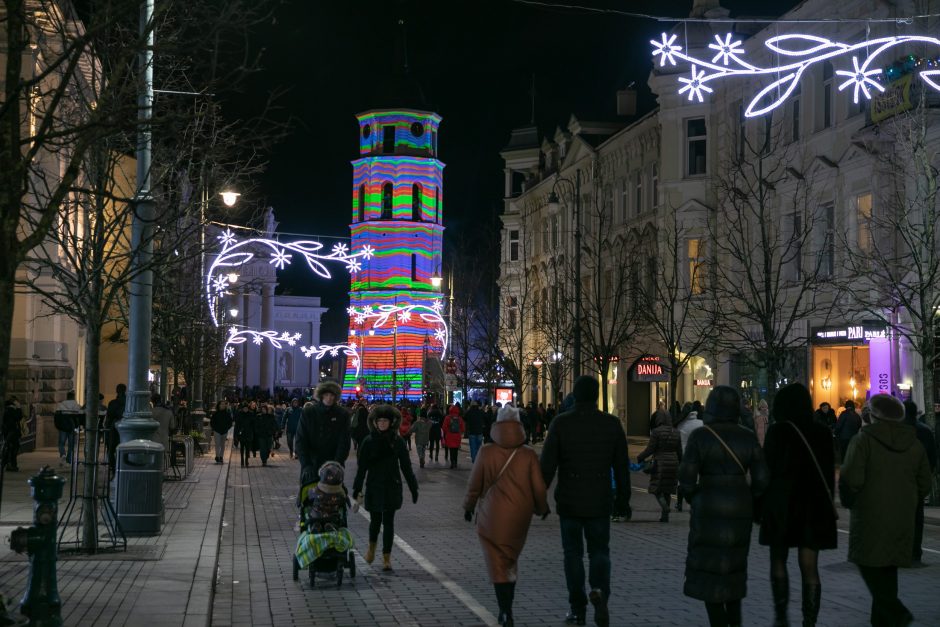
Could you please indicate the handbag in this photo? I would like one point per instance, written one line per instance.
(730, 452)
(487, 491)
(822, 477)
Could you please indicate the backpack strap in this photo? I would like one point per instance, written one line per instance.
(727, 448)
(822, 477)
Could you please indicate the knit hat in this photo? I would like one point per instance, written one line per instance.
(586, 389)
(723, 404)
(886, 407)
(507, 412)
(331, 478)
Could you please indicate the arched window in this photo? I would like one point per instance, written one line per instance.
(387, 201)
(414, 267)
(437, 205)
(362, 203)
(416, 202)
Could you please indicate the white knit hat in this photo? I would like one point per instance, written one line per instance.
(507, 412)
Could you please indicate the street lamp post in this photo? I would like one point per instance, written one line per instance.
(553, 198)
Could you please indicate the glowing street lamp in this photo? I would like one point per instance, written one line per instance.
(229, 198)
(233, 312)
(232, 277)
(436, 280)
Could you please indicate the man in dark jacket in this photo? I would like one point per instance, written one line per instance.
(926, 438)
(849, 424)
(474, 423)
(323, 432)
(825, 416)
(583, 445)
(12, 415)
(112, 417)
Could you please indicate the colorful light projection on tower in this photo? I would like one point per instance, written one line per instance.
(395, 320)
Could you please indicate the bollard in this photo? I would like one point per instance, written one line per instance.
(41, 603)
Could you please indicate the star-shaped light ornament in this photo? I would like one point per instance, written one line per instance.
(226, 238)
(351, 311)
(368, 252)
(334, 352)
(439, 335)
(859, 77)
(694, 85)
(229, 352)
(665, 49)
(437, 306)
(220, 283)
(280, 259)
(355, 363)
(360, 319)
(353, 345)
(340, 249)
(404, 316)
(726, 49)
(354, 265)
(258, 340)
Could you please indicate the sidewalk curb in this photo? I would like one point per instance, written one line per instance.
(223, 482)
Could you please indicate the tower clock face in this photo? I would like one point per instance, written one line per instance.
(417, 129)
(366, 131)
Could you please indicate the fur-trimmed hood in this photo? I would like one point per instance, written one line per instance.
(385, 411)
(328, 386)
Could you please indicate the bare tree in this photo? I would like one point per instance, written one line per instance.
(556, 327)
(771, 251)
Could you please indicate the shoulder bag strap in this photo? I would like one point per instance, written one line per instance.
(727, 448)
(501, 470)
(822, 477)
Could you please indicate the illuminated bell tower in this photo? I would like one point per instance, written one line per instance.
(395, 309)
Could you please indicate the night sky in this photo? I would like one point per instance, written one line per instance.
(474, 62)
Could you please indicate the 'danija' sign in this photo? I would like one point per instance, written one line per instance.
(649, 369)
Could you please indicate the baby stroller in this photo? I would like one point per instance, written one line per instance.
(325, 544)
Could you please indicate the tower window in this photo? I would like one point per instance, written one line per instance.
(362, 202)
(416, 202)
(437, 205)
(387, 201)
(414, 267)
(388, 139)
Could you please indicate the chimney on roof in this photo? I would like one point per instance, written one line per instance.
(626, 101)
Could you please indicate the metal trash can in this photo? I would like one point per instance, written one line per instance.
(138, 490)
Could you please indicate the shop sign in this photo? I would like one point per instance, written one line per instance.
(648, 369)
(851, 334)
(503, 395)
(703, 383)
(879, 361)
(895, 99)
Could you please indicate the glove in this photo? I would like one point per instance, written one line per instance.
(414, 496)
(468, 515)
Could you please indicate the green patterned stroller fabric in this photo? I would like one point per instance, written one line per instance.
(310, 546)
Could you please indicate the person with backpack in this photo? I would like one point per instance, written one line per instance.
(405, 429)
(68, 415)
(436, 433)
(245, 431)
(220, 422)
(421, 430)
(454, 428)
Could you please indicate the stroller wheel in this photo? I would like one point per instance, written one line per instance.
(339, 573)
(296, 573)
(352, 565)
(313, 577)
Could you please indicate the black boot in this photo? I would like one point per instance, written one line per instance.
(780, 588)
(504, 594)
(812, 594)
(664, 506)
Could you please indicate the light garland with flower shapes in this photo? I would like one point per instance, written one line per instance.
(277, 339)
(234, 255)
(809, 50)
(350, 350)
(380, 315)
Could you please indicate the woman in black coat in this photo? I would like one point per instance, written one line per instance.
(714, 480)
(665, 447)
(383, 459)
(245, 431)
(797, 508)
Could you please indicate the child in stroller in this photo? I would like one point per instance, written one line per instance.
(325, 544)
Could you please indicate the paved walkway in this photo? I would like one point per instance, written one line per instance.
(223, 559)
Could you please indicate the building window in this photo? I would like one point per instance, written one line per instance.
(546, 234)
(795, 115)
(654, 186)
(794, 252)
(554, 231)
(624, 200)
(414, 267)
(638, 192)
(695, 134)
(863, 212)
(514, 245)
(362, 202)
(388, 139)
(827, 249)
(513, 306)
(416, 202)
(387, 201)
(696, 266)
(437, 205)
(827, 95)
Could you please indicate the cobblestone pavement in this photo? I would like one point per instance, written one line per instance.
(439, 576)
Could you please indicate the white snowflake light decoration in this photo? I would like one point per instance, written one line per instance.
(277, 339)
(381, 315)
(318, 352)
(804, 50)
(280, 259)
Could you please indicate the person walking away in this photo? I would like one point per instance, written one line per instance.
(421, 430)
(11, 431)
(474, 424)
(291, 421)
(925, 436)
(252, 443)
(582, 446)
(454, 429)
(265, 428)
(797, 509)
(220, 422)
(489, 418)
(436, 433)
(245, 431)
(405, 429)
(665, 446)
(166, 422)
(713, 476)
(183, 418)
(885, 473)
(323, 432)
(383, 460)
(657, 416)
(686, 426)
(361, 429)
(848, 425)
(761, 420)
(280, 417)
(68, 414)
(115, 414)
(505, 488)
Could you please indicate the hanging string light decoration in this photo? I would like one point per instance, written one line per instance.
(350, 350)
(806, 50)
(236, 336)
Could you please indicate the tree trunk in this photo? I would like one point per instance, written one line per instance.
(927, 386)
(605, 364)
(7, 288)
(90, 482)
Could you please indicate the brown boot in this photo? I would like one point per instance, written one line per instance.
(370, 553)
(386, 561)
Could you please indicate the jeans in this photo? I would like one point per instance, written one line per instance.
(597, 533)
(385, 520)
(66, 437)
(290, 442)
(421, 450)
(219, 445)
(886, 608)
(434, 449)
(476, 441)
(452, 456)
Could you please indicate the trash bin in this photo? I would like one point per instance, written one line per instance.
(138, 496)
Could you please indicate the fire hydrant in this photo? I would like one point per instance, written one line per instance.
(41, 603)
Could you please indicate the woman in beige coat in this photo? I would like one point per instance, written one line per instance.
(506, 487)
